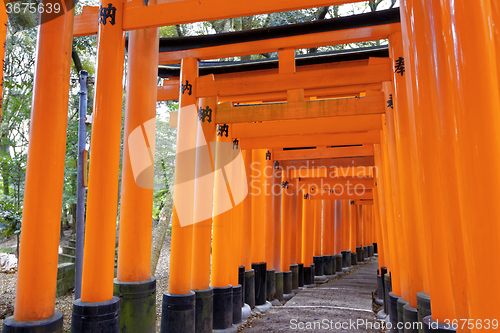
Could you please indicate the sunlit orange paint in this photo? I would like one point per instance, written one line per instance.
(268, 213)
(37, 274)
(246, 235)
(136, 209)
(277, 220)
(182, 236)
(222, 267)
(257, 188)
(298, 224)
(307, 231)
(202, 231)
(102, 195)
(328, 227)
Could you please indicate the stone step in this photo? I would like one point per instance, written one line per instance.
(69, 250)
(65, 278)
(65, 258)
(72, 243)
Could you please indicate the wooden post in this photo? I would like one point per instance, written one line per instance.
(37, 275)
(100, 227)
(136, 209)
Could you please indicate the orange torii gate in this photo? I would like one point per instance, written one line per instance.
(292, 272)
(410, 119)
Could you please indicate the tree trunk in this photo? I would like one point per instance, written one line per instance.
(158, 238)
(5, 170)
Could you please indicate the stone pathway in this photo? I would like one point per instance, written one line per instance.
(342, 305)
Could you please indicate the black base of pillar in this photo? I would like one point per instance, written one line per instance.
(354, 258)
(260, 282)
(204, 314)
(328, 265)
(359, 254)
(387, 290)
(346, 258)
(301, 275)
(338, 263)
(241, 281)
(223, 307)
(431, 326)
(401, 304)
(279, 286)
(97, 317)
(295, 276)
(287, 283)
(250, 288)
(318, 266)
(380, 288)
(423, 306)
(271, 284)
(308, 275)
(178, 313)
(375, 248)
(53, 324)
(372, 251)
(393, 310)
(237, 304)
(137, 305)
(410, 318)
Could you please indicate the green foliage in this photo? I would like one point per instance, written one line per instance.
(10, 216)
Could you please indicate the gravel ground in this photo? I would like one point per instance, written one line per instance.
(64, 303)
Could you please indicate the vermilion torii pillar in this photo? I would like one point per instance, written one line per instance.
(286, 231)
(178, 312)
(269, 226)
(298, 246)
(318, 259)
(137, 312)
(328, 238)
(37, 275)
(221, 251)
(346, 231)
(408, 161)
(294, 268)
(203, 201)
(277, 230)
(246, 236)
(257, 187)
(308, 238)
(337, 242)
(102, 198)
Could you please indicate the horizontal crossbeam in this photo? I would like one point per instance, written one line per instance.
(167, 12)
(291, 141)
(329, 163)
(378, 70)
(342, 124)
(333, 152)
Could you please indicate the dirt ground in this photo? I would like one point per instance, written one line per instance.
(64, 303)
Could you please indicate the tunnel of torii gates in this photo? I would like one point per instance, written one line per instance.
(396, 145)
